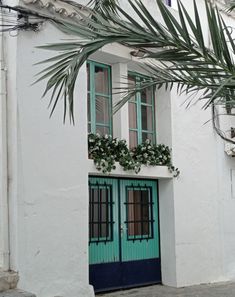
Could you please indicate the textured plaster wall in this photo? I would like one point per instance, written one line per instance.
(52, 199)
(50, 219)
(204, 206)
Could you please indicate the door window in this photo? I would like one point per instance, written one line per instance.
(100, 213)
(139, 213)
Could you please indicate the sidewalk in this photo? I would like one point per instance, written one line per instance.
(212, 290)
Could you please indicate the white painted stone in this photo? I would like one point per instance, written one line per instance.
(8, 280)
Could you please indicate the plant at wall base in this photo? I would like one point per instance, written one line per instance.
(105, 151)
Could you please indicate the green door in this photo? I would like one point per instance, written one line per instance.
(139, 220)
(103, 221)
(123, 233)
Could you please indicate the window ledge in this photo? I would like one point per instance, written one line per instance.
(146, 172)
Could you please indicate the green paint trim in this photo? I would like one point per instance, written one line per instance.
(137, 78)
(93, 94)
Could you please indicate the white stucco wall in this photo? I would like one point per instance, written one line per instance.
(48, 183)
(203, 204)
(51, 210)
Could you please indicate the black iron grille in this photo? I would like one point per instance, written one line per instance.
(100, 213)
(139, 212)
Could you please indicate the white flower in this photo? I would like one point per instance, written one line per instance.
(147, 141)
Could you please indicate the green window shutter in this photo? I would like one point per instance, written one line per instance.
(99, 96)
(141, 113)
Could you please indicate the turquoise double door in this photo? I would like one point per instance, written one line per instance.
(123, 233)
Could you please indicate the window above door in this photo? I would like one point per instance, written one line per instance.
(141, 112)
(99, 98)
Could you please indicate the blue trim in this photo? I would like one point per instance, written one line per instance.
(111, 276)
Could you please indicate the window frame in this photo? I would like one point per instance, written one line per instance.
(92, 121)
(139, 104)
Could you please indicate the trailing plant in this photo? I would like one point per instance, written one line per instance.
(105, 151)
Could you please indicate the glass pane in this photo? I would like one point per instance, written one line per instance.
(104, 195)
(95, 196)
(146, 95)
(147, 118)
(95, 231)
(133, 139)
(131, 85)
(102, 130)
(138, 212)
(102, 110)
(148, 136)
(104, 230)
(99, 213)
(132, 116)
(101, 80)
(89, 128)
(88, 76)
(88, 107)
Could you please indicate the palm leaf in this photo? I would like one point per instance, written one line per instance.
(177, 57)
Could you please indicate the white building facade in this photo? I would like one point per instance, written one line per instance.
(45, 174)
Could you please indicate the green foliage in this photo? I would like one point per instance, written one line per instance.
(105, 151)
(176, 48)
(231, 5)
(103, 6)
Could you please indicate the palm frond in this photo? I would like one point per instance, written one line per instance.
(102, 6)
(178, 56)
(231, 6)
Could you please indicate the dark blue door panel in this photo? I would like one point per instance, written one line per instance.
(105, 277)
(111, 276)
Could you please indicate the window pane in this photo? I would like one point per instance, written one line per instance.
(89, 128)
(88, 107)
(131, 85)
(99, 214)
(102, 110)
(138, 212)
(147, 118)
(146, 95)
(148, 136)
(102, 130)
(132, 116)
(88, 76)
(133, 139)
(101, 80)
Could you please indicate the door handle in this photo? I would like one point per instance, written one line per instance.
(121, 229)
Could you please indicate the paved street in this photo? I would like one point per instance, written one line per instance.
(216, 290)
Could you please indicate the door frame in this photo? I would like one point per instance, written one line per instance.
(115, 268)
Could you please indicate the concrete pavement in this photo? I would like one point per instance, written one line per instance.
(211, 290)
